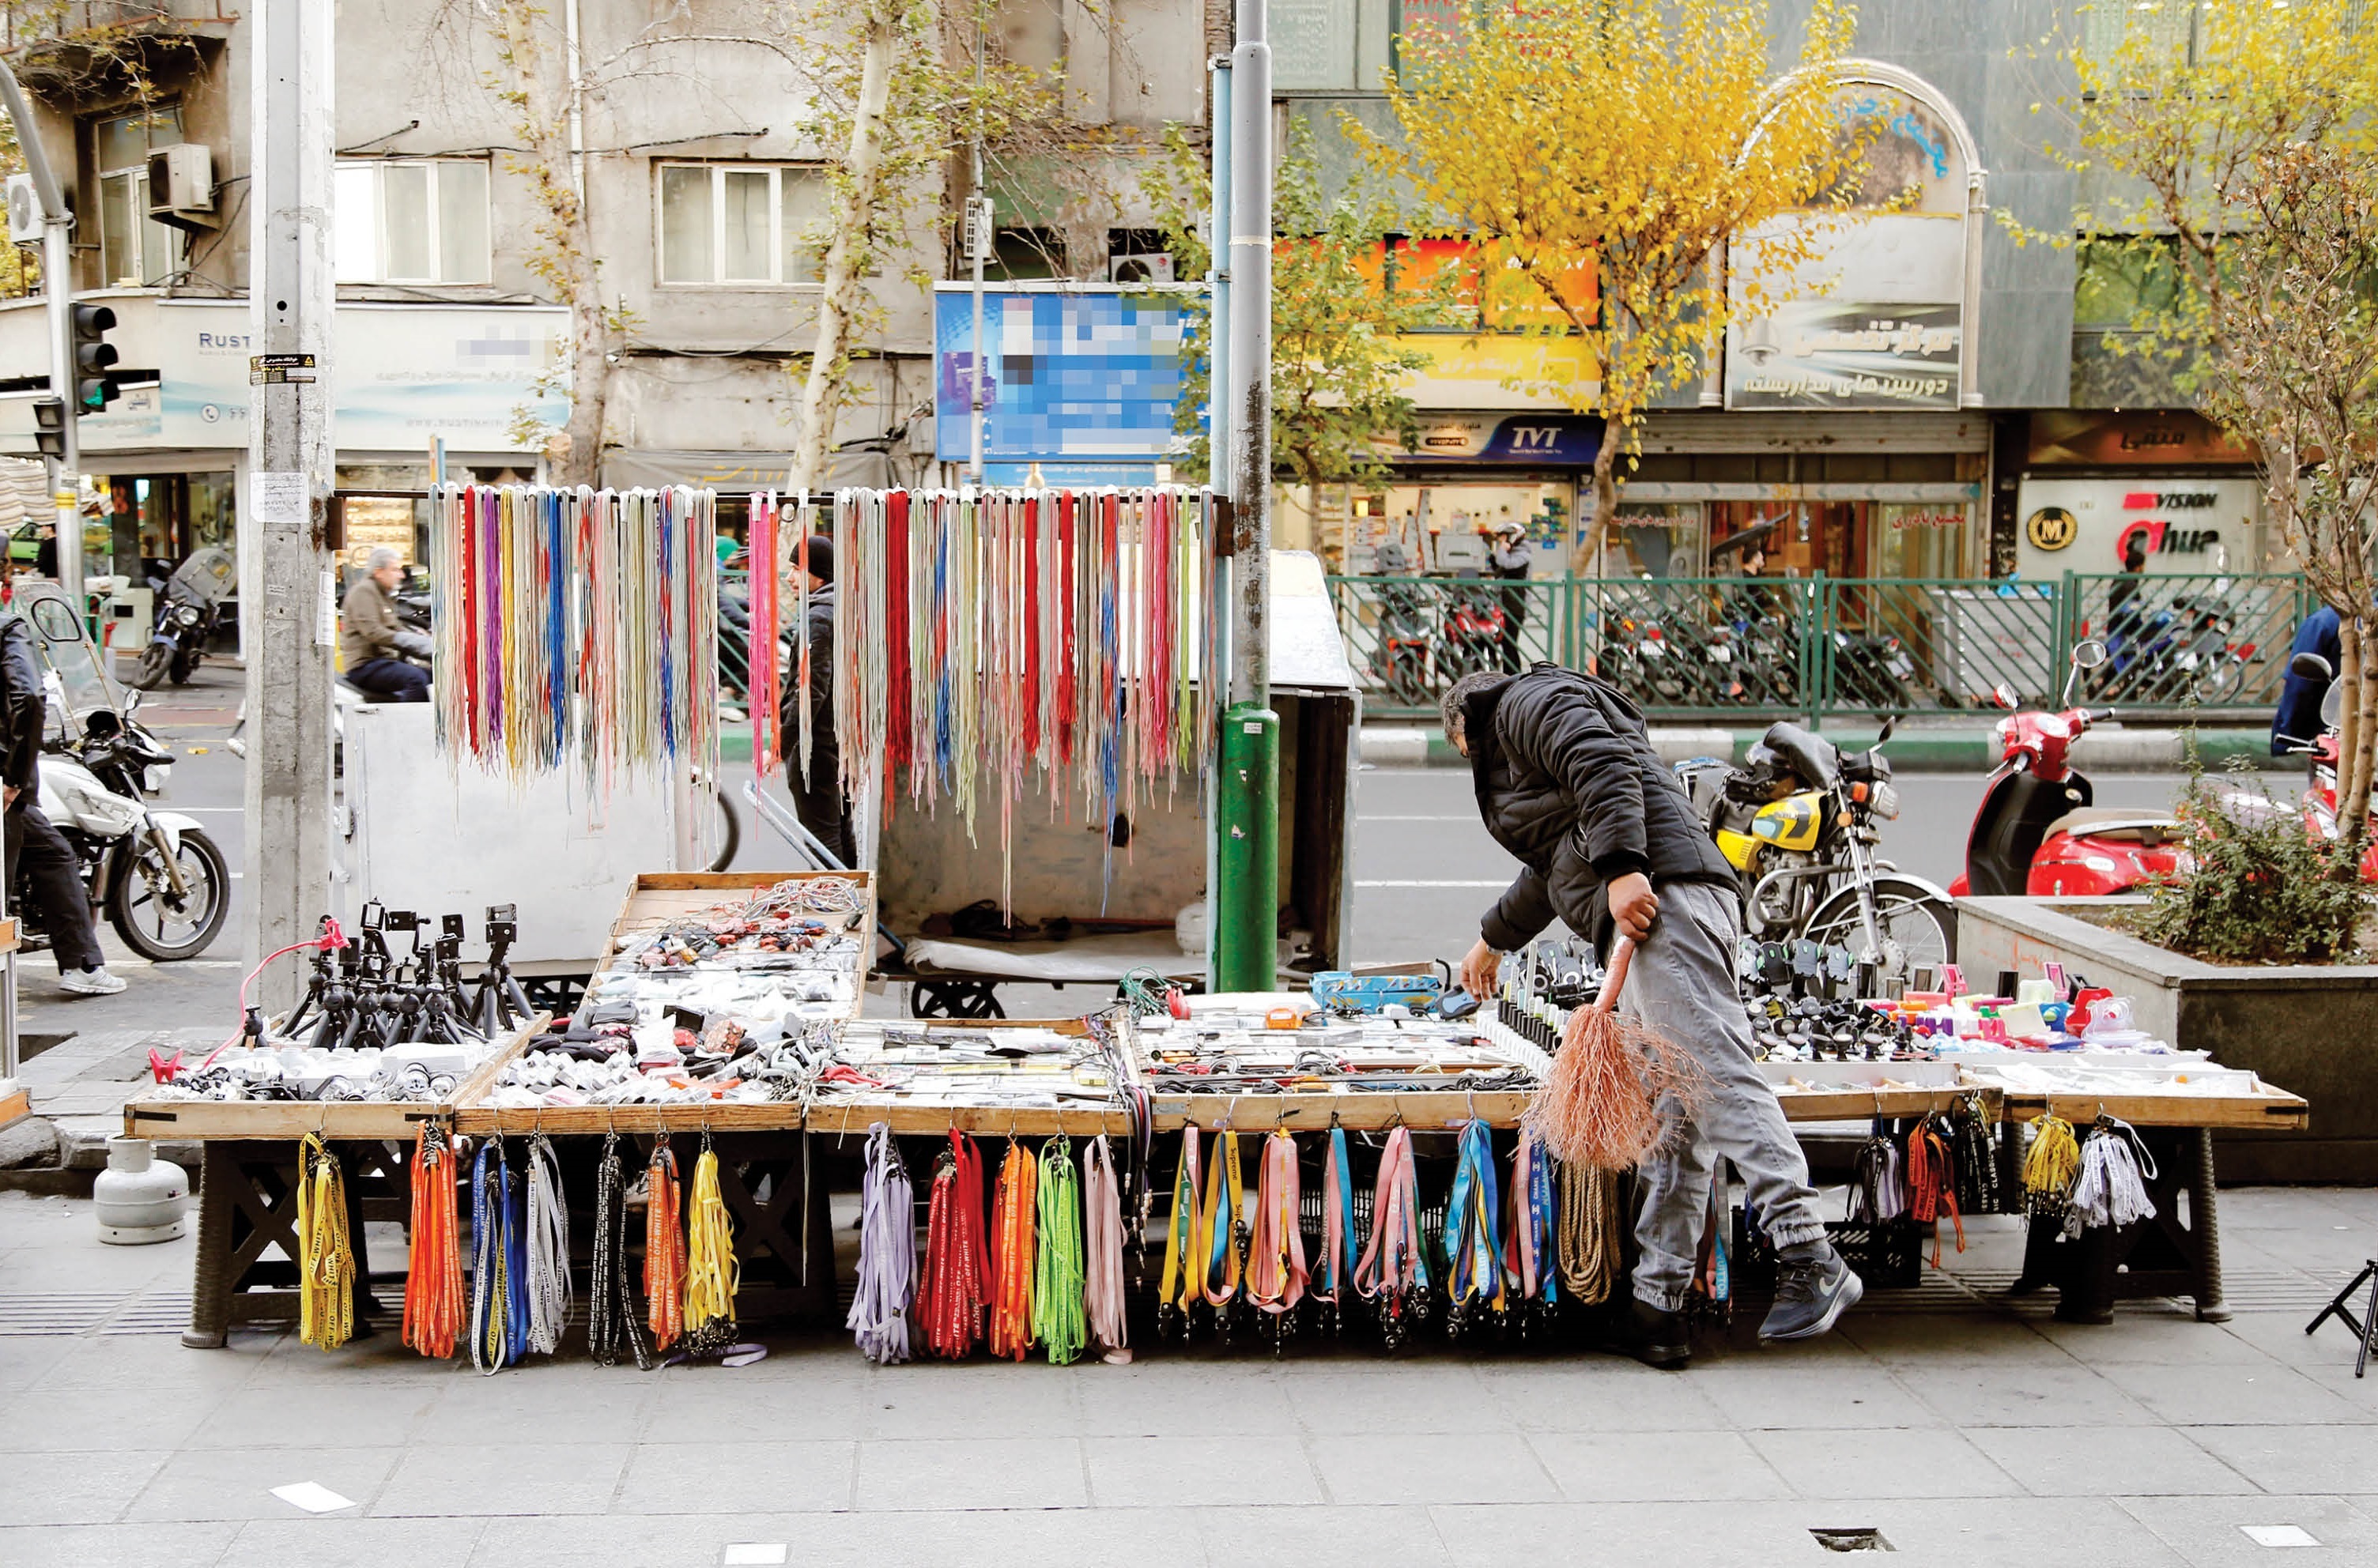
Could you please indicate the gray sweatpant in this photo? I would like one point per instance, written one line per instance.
(1681, 986)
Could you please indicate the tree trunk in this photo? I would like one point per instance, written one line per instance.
(2357, 740)
(845, 260)
(1605, 500)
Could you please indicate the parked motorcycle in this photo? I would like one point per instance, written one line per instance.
(188, 605)
(2321, 755)
(1873, 671)
(1798, 821)
(157, 877)
(1472, 640)
(2037, 833)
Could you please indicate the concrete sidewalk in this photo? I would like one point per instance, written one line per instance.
(1964, 1429)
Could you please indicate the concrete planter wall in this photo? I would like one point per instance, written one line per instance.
(2311, 1029)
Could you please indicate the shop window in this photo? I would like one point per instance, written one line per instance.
(1921, 540)
(1019, 254)
(740, 223)
(1653, 540)
(413, 221)
(134, 251)
(2122, 279)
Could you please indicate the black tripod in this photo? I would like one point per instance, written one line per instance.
(2365, 1327)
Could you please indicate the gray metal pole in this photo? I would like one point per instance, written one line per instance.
(1218, 243)
(1250, 358)
(287, 588)
(57, 295)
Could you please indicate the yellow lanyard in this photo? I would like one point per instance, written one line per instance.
(1184, 1239)
(1220, 1226)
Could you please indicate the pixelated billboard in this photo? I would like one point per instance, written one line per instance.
(1086, 372)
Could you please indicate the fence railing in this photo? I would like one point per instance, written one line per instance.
(1816, 646)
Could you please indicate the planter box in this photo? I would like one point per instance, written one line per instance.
(2309, 1028)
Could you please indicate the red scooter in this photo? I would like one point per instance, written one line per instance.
(2319, 801)
(2037, 833)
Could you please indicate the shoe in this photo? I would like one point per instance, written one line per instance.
(90, 982)
(1651, 1335)
(1811, 1297)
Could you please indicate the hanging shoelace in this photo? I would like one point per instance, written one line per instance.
(1976, 1158)
(1932, 1182)
(1223, 1224)
(498, 1261)
(433, 1273)
(664, 1249)
(1473, 1250)
(1714, 1277)
(1102, 1282)
(1533, 1227)
(1588, 1205)
(2050, 1167)
(548, 1249)
(325, 1302)
(954, 1283)
(1393, 1272)
(887, 1252)
(2112, 1187)
(1276, 1272)
(1184, 1242)
(1011, 1256)
(1059, 1321)
(711, 1273)
(763, 577)
(1333, 1277)
(1878, 1193)
(614, 1316)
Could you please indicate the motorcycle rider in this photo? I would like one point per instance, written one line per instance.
(817, 799)
(2296, 723)
(54, 875)
(371, 639)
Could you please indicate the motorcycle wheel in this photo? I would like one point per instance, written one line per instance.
(1921, 924)
(139, 908)
(155, 660)
(2219, 683)
(183, 668)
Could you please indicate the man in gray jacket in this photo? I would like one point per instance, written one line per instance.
(372, 640)
(1568, 783)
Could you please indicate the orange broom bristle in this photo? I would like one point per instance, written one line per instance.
(1600, 1105)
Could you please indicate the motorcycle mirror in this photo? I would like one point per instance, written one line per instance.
(1890, 722)
(2003, 695)
(132, 701)
(2332, 707)
(2310, 666)
(2088, 653)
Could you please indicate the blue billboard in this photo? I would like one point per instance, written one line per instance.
(1085, 373)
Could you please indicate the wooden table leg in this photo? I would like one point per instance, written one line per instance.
(210, 1275)
(2204, 1219)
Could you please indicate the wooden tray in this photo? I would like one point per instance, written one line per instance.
(2273, 1109)
(266, 1119)
(654, 898)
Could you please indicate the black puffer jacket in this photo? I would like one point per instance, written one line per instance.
(1568, 782)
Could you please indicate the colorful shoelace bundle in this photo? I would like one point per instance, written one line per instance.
(1333, 1275)
(1184, 1242)
(548, 1249)
(1393, 1272)
(1590, 1202)
(763, 687)
(1533, 1232)
(1473, 1246)
(614, 1316)
(1012, 1216)
(711, 1273)
(432, 1275)
(1879, 1193)
(1221, 1222)
(1275, 1270)
(1932, 1181)
(2050, 1165)
(1103, 1236)
(325, 1263)
(1978, 1189)
(500, 1308)
(1058, 1320)
(953, 1286)
(663, 1250)
(887, 1252)
(2112, 1187)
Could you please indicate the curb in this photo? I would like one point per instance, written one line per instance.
(2110, 749)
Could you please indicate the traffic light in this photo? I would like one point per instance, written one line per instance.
(94, 357)
(50, 427)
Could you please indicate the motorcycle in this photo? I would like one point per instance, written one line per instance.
(157, 877)
(2036, 831)
(1475, 623)
(1873, 671)
(1797, 820)
(1399, 657)
(188, 605)
(2321, 756)
(1643, 664)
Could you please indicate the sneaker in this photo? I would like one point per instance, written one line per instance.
(1811, 1297)
(1651, 1335)
(90, 982)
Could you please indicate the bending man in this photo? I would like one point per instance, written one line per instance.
(1568, 782)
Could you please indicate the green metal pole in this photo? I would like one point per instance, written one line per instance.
(1247, 869)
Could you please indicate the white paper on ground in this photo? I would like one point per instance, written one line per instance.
(313, 1497)
(2279, 1535)
(754, 1553)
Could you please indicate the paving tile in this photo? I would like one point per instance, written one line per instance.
(1132, 1472)
(1730, 1534)
(147, 1363)
(237, 1483)
(1897, 1338)
(74, 1488)
(2226, 1394)
(375, 1357)
(1331, 1397)
(301, 1416)
(975, 1400)
(2204, 1529)
(1599, 1394)
(2044, 1391)
(1400, 1466)
(116, 1546)
(1153, 1397)
(353, 1543)
(564, 1403)
(1642, 1466)
(67, 1421)
(1752, 1393)
(2295, 1459)
(683, 1410)
(517, 1479)
(681, 1478)
(1145, 1537)
(2107, 1461)
(1010, 1472)
(2005, 1531)
(1338, 1536)
(1920, 1462)
(25, 1361)
(2150, 1340)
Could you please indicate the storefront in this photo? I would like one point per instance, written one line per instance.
(2096, 484)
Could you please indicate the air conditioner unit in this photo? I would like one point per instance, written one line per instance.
(1151, 267)
(182, 184)
(24, 211)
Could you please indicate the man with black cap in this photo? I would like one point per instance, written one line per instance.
(817, 799)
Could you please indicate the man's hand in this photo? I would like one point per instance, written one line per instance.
(1479, 969)
(8, 793)
(1633, 905)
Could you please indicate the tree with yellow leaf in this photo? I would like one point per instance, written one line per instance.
(1631, 138)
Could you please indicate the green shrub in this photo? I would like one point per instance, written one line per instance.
(2262, 889)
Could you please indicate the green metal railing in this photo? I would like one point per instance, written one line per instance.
(1816, 646)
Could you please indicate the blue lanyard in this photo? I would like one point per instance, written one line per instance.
(1472, 1253)
(1338, 1263)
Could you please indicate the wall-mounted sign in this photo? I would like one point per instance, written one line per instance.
(2100, 438)
(1079, 372)
(2083, 525)
(1555, 441)
(1824, 354)
(2051, 529)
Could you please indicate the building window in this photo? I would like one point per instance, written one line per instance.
(740, 222)
(134, 251)
(413, 221)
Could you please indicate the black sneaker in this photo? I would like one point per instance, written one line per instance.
(1650, 1334)
(1810, 1298)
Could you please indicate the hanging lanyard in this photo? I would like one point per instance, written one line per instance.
(1184, 1241)
(1224, 1208)
(1472, 1255)
(1337, 1221)
(1276, 1271)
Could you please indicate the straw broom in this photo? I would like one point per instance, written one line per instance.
(1600, 1105)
